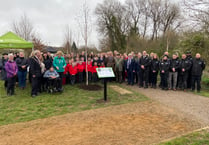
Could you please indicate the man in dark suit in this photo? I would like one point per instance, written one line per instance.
(130, 68)
(35, 69)
(145, 67)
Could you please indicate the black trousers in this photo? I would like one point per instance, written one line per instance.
(5, 84)
(136, 77)
(145, 75)
(154, 79)
(35, 85)
(189, 80)
(80, 77)
(183, 80)
(196, 80)
(140, 79)
(11, 85)
(60, 80)
(90, 76)
(72, 79)
(130, 77)
(164, 79)
(95, 77)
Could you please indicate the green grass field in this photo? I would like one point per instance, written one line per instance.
(197, 138)
(22, 107)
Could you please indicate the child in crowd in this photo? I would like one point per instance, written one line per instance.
(73, 70)
(81, 68)
(94, 72)
(89, 68)
(69, 64)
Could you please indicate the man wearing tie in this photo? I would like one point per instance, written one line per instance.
(130, 68)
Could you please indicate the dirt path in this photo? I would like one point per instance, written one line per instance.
(137, 123)
(194, 105)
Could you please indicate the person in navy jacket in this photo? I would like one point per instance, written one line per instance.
(130, 68)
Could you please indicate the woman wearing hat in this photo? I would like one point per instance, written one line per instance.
(59, 64)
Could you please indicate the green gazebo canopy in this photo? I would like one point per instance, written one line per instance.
(12, 41)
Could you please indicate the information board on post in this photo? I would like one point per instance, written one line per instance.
(106, 72)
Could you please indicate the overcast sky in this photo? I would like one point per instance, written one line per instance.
(49, 17)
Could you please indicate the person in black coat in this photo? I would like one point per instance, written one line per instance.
(184, 68)
(138, 69)
(189, 80)
(154, 69)
(22, 64)
(164, 72)
(145, 62)
(47, 60)
(35, 69)
(173, 74)
(2, 69)
(130, 68)
(198, 65)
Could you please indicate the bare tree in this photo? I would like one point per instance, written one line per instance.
(67, 39)
(84, 21)
(134, 10)
(198, 12)
(113, 23)
(155, 15)
(23, 27)
(145, 17)
(170, 15)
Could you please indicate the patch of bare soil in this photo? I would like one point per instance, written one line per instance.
(90, 87)
(120, 90)
(136, 123)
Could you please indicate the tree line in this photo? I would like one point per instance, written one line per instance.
(154, 25)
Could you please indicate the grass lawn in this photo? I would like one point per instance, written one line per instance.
(22, 107)
(197, 138)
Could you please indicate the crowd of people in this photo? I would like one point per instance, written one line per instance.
(47, 72)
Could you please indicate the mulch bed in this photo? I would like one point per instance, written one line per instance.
(90, 87)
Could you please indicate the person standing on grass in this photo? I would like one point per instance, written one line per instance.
(198, 65)
(11, 69)
(35, 70)
(59, 64)
(2, 69)
(22, 64)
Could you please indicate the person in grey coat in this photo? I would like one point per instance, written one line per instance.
(119, 63)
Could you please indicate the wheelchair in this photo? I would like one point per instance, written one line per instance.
(52, 85)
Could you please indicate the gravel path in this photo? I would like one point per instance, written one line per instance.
(197, 107)
(140, 123)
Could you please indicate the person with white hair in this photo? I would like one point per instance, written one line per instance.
(35, 70)
(130, 69)
(11, 69)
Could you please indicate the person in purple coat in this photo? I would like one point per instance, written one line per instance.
(11, 69)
